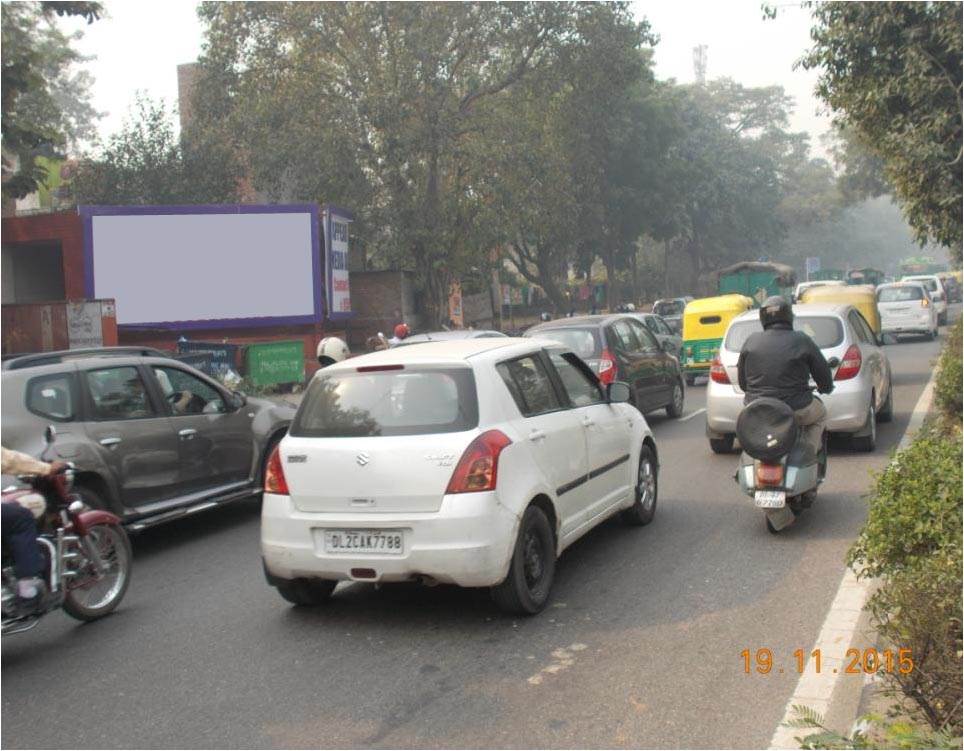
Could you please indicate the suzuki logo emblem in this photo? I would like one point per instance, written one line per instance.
(363, 459)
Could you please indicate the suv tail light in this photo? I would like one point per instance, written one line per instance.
(850, 364)
(478, 468)
(769, 474)
(718, 372)
(274, 476)
(606, 367)
(925, 303)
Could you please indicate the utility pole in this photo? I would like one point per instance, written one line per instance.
(700, 57)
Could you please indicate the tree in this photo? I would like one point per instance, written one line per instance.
(144, 163)
(46, 103)
(892, 73)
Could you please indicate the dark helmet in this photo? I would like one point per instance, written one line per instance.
(776, 309)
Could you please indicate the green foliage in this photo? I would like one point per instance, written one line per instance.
(892, 73)
(46, 104)
(949, 377)
(146, 164)
(871, 732)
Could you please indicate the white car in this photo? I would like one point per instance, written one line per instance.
(936, 289)
(474, 462)
(862, 393)
(907, 308)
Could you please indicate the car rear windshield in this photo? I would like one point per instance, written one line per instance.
(900, 294)
(388, 403)
(668, 308)
(826, 331)
(583, 341)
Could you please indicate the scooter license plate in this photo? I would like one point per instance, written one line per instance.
(770, 499)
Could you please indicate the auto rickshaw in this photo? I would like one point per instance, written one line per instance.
(704, 324)
(863, 297)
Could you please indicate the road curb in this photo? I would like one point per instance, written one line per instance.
(846, 622)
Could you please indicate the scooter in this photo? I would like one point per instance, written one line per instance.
(778, 468)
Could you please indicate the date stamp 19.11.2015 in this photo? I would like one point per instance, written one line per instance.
(855, 662)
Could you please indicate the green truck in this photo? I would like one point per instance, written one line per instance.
(757, 280)
(827, 275)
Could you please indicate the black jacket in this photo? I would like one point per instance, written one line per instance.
(779, 362)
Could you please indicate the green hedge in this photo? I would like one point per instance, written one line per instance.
(948, 393)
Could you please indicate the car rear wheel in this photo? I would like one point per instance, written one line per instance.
(675, 407)
(690, 379)
(723, 445)
(526, 589)
(867, 442)
(646, 491)
(886, 413)
(306, 592)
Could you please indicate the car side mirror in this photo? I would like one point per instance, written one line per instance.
(237, 399)
(833, 362)
(617, 392)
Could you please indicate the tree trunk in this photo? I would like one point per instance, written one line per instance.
(609, 262)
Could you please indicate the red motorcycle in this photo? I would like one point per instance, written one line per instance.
(87, 553)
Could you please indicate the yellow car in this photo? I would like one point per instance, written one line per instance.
(862, 296)
(704, 324)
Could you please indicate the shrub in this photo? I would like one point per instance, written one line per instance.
(948, 393)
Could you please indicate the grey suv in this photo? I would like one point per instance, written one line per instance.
(152, 438)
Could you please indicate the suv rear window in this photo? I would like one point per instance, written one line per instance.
(388, 403)
(826, 331)
(900, 294)
(583, 341)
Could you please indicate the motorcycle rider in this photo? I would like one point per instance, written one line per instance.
(19, 530)
(779, 362)
(331, 349)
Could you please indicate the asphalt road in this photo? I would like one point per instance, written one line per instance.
(640, 648)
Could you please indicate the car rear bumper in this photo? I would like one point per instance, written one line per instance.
(907, 324)
(467, 542)
(846, 408)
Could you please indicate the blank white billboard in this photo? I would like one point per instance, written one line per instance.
(184, 267)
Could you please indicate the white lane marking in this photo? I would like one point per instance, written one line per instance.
(691, 415)
(814, 689)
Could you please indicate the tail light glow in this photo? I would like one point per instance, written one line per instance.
(478, 469)
(274, 475)
(925, 303)
(769, 474)
(850, 364)
(718, 372)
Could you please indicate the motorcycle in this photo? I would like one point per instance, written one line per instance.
(778, 468)
(86, 551)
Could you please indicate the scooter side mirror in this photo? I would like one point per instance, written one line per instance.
(833, 362)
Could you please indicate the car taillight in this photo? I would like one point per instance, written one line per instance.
(850, 365)
(718, 372)
(606, 367)
(274, 476)
(925, 303)
(769, 474)
(478, 468)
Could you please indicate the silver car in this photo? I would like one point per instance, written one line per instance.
(153, 439)
(668, 339)
(862, 394)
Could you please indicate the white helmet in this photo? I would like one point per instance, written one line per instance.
(331, 349)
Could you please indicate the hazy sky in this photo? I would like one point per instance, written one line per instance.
(139, 45)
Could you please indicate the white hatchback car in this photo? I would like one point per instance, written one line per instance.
(474, 462)
(862, 393)
(937, 292)
(907, 308)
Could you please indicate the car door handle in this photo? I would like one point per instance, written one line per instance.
(113, 441)
(537, 435)
(187, 433)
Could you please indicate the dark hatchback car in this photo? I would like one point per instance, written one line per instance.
(152, 438)
(620, 348)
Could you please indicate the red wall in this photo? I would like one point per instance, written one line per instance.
(67, 229)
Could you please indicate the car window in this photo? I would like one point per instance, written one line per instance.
(647, 341)
(584, 342)
(624, 337)
(858, 325)
(581, 386)
(826, 331)
(652, 324)
(529, 384)
(52, 396)
(931, 284)
(118, 394)
(388, 403)
(188, 394)
(905, 293)
(661, 326)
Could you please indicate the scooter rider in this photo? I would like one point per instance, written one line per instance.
(778, 362)
(331, 349)
(20, 529)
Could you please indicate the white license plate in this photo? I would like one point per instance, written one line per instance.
(379, 541)
(770, 499)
